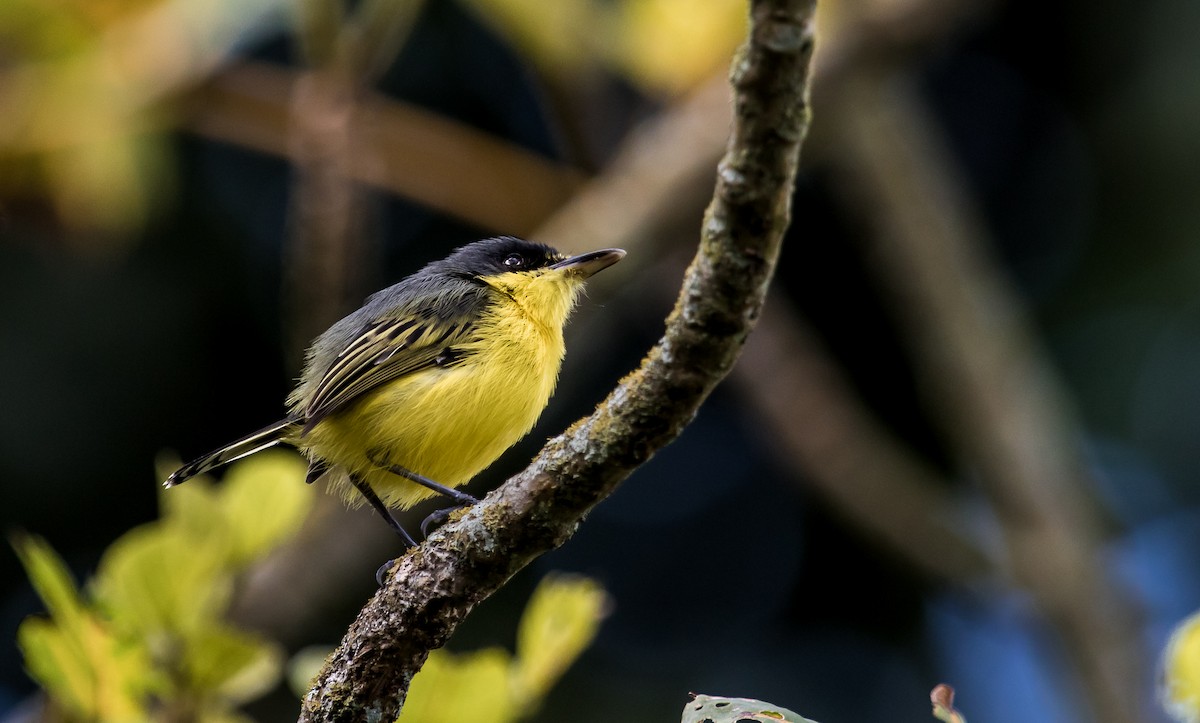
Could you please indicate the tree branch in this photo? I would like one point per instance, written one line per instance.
(433, 587)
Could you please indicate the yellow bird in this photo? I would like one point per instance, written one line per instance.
(433, 378)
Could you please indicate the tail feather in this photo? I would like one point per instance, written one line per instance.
(268, 436)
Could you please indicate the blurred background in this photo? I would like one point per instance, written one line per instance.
(960, 447)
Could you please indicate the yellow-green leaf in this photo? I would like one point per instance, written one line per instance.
(264, 501)
(88, 671)
(235, 665)
(50, 578)
(85, 89)
(41, 30)
(561, 36)
(454, 688)
(58, 664)
(491, 686)
(672, 45)
(1181, 672)
(156, 580)
(560, 620)
(195, 509)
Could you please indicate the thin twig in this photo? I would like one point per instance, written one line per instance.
(328, 247)
(398, 148)
(330, 253)
(434, 587)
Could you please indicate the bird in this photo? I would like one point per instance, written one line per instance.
(432, 379)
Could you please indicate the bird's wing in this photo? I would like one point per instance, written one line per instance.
(383, 351)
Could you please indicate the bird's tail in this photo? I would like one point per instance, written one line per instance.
(268, 436)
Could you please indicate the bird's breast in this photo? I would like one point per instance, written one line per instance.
(449, 423)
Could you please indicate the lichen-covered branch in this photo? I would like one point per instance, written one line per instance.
(435, 586)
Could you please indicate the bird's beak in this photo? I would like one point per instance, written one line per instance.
(584, 265)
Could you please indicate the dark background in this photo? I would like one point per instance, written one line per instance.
(1073, 126)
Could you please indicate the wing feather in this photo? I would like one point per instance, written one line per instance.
(382, 352)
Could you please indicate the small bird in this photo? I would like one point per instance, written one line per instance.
(432, 379)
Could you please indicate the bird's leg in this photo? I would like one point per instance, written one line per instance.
(462, 498)
(436, 518)
(382, 509)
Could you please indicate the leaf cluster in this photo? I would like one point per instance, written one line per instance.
(147, 638)
(493, 685)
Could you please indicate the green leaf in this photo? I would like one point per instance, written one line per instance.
(163, 589)
(76, 656)
(454, 688)
(157, 580)
(195, 509)
(58, 663)
(264, 501)
(561, 619)
(87, 670)
(490, 686)
(234, 665)
(50, 578)
(673, 45)
(715, 709)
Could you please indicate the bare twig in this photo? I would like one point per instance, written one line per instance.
(433, 587)
(398, 148)
(328, 247)
(330, 252)
(995, 396)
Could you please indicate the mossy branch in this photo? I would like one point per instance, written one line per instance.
(432, 588)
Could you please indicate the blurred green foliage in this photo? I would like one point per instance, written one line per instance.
(493, 685)
(664, 46)
(85, 90)
(148, 638)
(90, 89)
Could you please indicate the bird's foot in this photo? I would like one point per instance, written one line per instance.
(438, 517)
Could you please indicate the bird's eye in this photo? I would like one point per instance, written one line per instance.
(514, 261)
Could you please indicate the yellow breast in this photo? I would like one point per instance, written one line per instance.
(448, 424)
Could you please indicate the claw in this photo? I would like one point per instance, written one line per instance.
(384, 569)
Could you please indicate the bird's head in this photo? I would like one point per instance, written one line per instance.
(538, 277)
